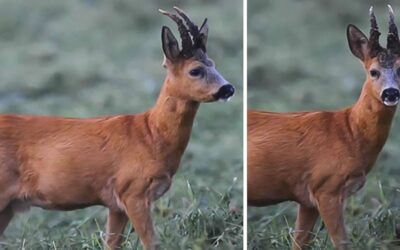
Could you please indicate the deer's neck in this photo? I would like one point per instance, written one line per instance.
(171, 121)
(372, 120)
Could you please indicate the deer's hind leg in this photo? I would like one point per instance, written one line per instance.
(8, 204)
(6, 209)
(5, 217)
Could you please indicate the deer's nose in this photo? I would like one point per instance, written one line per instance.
(390, 96)
(225, 92)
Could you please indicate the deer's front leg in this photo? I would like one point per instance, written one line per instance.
(306, 218)
(331, 210)
(116, 223)
(138, 211)
(138, 199)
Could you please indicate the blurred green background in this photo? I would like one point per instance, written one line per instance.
(298, 59)
(85, 58)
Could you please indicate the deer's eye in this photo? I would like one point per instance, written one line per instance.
(374, 73)
(197, 72)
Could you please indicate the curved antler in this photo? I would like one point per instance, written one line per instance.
(393, 43)
(199, 39)
(184, 33)
(194, 30)
(374, 34)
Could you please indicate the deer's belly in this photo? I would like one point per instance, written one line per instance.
(58, 194)
(54, 202)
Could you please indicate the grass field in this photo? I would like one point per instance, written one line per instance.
(85, 58)
(299, 60)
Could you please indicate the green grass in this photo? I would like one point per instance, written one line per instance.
(85, 58)
(299, 60)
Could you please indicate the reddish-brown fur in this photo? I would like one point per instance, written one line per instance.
(123, 162)
(318, 159)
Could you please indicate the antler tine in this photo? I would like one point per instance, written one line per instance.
(194, 30)
(392, 25)
(393, 36)
(204, 22)
(374, 25)
(183, 31)
(374, 35)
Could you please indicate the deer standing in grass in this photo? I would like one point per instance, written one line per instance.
(123, 162)
(319, 159)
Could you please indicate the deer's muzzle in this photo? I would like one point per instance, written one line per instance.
(225, 92)
(390, 96)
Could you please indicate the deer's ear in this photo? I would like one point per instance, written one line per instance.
(358, 42)
(169, 44)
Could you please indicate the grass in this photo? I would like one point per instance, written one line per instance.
(85, 58)
(299, 60)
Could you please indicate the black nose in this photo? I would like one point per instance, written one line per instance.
(225, 92)
(390, 95)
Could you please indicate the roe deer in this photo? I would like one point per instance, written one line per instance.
(318, 159)
(123, 162)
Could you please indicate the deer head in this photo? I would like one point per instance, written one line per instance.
(191, 72)
(381, 64)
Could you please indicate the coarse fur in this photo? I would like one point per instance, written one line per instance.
(123, 162)
(318, 159)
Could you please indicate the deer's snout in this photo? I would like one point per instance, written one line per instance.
(390, 96)
(225, 92)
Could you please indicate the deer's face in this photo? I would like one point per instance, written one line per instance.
(382, 65)
(385, 81)
(200, 81)
(192, 73)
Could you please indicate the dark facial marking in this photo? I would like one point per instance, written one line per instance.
(200, 56)
(212, 76)
(386, 59)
